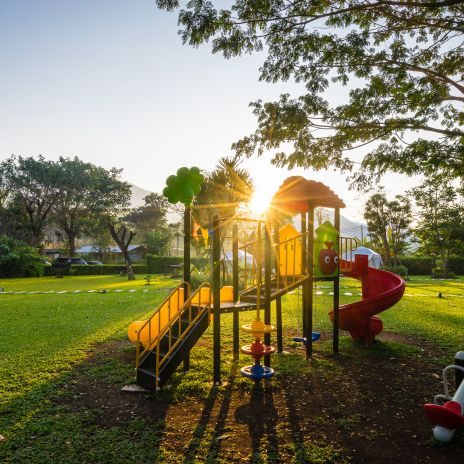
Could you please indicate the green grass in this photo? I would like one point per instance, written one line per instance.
(44, 335)
(46, 338)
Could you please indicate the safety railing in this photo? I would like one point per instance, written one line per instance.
(148, 333)
(251, 272)
(175, 325)
(346, 247)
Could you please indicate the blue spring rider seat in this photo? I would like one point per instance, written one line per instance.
(315, 337)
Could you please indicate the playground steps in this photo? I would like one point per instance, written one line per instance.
(188, 334)
(182, 330)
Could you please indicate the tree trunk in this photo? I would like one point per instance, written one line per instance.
(71, 235)
(123, 241)
(129, 268)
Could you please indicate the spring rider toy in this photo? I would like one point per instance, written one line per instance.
(449, 417)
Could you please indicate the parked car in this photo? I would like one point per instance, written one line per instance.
(95, 263)
(64, 260)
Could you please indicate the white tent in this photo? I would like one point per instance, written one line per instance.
(242, 258)
(375, 260)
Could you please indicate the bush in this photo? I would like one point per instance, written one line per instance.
(456, 265)
(18, 259)
(160, 264)
(106, 269)
(440, 273)
(402, 271)
(417, 265)
(198, 278)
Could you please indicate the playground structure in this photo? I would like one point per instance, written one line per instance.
(448, 417)
(283, 259)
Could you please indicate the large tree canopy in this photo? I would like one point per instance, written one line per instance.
(86, 191)
(30, 183)
(402, 62)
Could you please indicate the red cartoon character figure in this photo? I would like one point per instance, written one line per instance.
(328, 259)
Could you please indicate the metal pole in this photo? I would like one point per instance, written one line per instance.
(187, 240)
(279, 324)
(304, 287)
(278, 299)
(336, 291)
(216, 300)
(310, 283)
(267, 286)
(235, 267)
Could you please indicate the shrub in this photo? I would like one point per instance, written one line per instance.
(456, 265)
(418, 265)
(106, 269)
(160, 264)
(440, 273)
(18, 259)
(402, 271)
(198, 278)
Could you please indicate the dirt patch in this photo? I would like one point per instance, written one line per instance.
(363, 409)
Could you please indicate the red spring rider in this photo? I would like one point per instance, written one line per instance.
(449, 416)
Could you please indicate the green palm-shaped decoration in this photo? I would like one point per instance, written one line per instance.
(183, 186)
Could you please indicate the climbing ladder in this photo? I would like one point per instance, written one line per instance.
(173, 336)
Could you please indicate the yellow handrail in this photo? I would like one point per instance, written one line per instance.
(148, 322)
(204, 307)
(181, 335)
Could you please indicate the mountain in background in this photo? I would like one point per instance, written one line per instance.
(138, 194)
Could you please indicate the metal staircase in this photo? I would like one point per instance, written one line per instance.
(161, 357)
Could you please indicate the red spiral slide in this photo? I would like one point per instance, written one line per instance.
(380, 291)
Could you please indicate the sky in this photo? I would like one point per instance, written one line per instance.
(109, 81)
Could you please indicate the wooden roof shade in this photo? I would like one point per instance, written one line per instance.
(296, 194)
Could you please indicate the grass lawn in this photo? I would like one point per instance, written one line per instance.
(64, 357)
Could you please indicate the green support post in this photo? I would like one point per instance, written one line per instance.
(267, 286)
(280, 347)
(336, 292)
(310, 282)
(187, 240)
(235, 282)
(278, 299)
(216, 300)
(304, 286)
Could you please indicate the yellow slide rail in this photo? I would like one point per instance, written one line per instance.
(148, 331)
(173, 328)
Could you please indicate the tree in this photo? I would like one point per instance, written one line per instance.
(402, 61)
(31, 183)
(14, 221)
(86, 191)
(150, 216)
(17, 259)
(123, 237)
(388, 223)
(157, 241)
(440, 218)
(224, 191)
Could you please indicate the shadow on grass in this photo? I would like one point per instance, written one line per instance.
(69, 414)
(260, 415)
(201, 427)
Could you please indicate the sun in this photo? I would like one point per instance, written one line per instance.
(260, 200)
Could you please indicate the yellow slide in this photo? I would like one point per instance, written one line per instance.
(169, 309)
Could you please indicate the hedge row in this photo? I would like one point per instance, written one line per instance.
(106, 269)
(456, 265)
(160, 264)
(417, 265)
